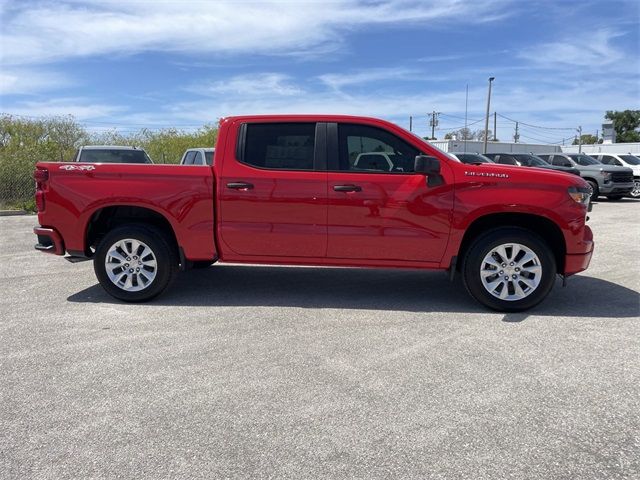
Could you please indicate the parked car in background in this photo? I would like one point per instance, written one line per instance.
(198, 156)
(623, 160)
(608, 180)
(528, 160)
(111, 154)
(471, 158)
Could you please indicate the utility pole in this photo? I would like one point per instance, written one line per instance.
(410, 123)
(580, 139)
(433, 123)
(486, 118)
(516, 136)
(495, 122)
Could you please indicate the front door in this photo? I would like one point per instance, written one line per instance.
(379, 209)
(273, 191)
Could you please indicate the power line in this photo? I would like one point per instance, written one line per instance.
(535, 126)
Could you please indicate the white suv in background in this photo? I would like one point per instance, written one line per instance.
(198, 156)
(623, 160)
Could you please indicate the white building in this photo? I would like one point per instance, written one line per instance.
(474, 146)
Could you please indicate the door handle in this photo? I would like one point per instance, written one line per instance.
(240, 185)
(347, 188)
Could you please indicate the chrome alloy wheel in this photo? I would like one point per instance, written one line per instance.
(130, 265)
(635, 193)
(511, 271)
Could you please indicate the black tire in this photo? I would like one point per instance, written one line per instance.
(202, 263)
(485, 243)
(594, 187)
(158, 242)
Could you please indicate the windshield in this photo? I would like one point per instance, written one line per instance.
(114, 156)
(584, 159)
(631, 159)
(531, 160)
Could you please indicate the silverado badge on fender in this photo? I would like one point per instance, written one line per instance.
(486, 174)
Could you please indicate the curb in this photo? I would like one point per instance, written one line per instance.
(12, 213)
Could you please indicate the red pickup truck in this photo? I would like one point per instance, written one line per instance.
(319, 190)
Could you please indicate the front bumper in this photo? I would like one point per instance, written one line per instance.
(616, 188)
(49, 241)
(578, 262)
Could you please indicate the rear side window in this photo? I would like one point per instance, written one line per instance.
(209, 157)
(281, 146)
(507, 159)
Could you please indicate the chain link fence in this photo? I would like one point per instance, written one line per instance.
(17, 187)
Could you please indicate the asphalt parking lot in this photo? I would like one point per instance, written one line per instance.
(282, 372)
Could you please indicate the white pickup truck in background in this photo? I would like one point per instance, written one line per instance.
(198, 156)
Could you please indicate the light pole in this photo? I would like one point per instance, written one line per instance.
(486, 118)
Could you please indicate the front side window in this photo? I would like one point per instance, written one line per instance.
(584, 159)
(561, 161)
(281, 146)
(369, 149)
(631, 159)
(198, 160)
(209, 157)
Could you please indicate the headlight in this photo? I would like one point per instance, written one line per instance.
(580, 194)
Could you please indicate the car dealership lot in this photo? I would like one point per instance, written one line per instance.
(244, 371)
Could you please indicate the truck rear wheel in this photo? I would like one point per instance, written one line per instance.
(135, 262)
(509, 269)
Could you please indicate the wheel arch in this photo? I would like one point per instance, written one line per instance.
(547, 229)
(106, 218)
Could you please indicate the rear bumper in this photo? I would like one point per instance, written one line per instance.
(49, 241)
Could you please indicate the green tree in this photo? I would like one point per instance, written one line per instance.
(626, 124)
(587, 139)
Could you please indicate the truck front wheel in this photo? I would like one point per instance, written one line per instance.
(509, 269)
(135, 262)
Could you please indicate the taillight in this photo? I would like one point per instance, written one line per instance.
(41, 175)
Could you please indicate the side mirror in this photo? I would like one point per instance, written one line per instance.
(427, 165)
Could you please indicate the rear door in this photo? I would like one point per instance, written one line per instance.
(273, 190)
(379, 211)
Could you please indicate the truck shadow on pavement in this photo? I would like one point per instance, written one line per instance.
(370, 289)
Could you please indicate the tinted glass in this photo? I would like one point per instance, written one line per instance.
(364, 148)
(561, 161)
(472, 158)
(209, 157)
(531, 160)
(199, 159)
(583, 159)
(544, 157)
(507, 159)
(114, 156)
(631, 159)
(284, 146)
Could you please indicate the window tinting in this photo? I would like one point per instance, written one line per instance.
(287, 146)
(369, 149)
(198, 160)
(209, 157)
(561, 161)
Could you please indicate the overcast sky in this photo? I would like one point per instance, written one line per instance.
(133, 64)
